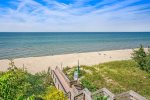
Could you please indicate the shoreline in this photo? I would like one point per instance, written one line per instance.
(67, 54)
(38, 64)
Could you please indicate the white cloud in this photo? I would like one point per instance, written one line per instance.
(33, 16)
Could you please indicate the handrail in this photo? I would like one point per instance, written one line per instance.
(64, 76)
(78, 95)
(73, 82)
(105, 92)
(68, 94)
(131, 94)
(136, 95)
(74, 92)
(69, 82)
(59, 81)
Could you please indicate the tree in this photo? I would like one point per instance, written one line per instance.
(140, 57)
(148, 60)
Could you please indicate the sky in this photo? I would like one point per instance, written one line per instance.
(74, 15)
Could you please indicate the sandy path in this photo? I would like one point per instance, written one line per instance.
(36, 64)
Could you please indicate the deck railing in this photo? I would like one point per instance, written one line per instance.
(130, 95)
(85, 94)
(104, 92)
(58, 80)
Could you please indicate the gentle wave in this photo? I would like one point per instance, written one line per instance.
(16, 45)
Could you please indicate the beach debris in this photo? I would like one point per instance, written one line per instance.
(99, 53)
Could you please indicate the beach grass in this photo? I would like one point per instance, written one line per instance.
(117, 76)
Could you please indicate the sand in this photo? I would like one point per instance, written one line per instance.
(37, 64)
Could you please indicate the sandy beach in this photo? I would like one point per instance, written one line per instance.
(37, 64)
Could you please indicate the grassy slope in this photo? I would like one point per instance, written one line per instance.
(117, 76)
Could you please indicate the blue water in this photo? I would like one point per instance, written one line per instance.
(16, 45)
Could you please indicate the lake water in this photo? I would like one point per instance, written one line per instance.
(30, 44)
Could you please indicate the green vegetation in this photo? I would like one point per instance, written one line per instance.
(101, 98)
(71, 72)
(142, 58)
(117, 76)
(52, 94)
(18, 84)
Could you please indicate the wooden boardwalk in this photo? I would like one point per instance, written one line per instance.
(74, 92)
(62, 81)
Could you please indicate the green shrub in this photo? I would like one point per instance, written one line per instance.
(142, 58)
(54, 94)
(18, 84)
(148, 61)
(101, 98)
(14, 84)
(88, 84)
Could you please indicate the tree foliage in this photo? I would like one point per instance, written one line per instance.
(142, 58)
(18, 84)
(148, 60)
(14, 84)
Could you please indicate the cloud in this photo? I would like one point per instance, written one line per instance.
(79, 15)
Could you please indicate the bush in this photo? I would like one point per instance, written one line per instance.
(14, 84)
(142, 58)
(101, 98)
(54, 94)
(148, 60)
(18, 84)
(88, 84)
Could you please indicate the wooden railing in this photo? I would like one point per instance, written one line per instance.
(59, 82)
(104, 92)
(85, 94)
(130, 95)
(64, 76)
(80, 95)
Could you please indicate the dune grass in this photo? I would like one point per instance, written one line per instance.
(117, 76)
